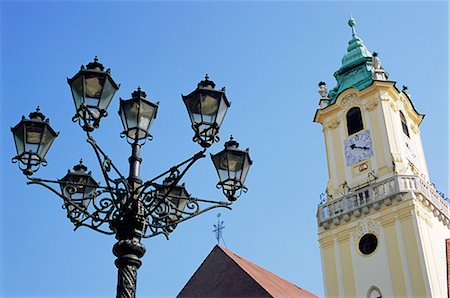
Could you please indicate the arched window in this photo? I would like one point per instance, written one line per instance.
(374, 292)
(354, 120)
(404, 125)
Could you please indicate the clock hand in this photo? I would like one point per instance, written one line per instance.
(353, 146)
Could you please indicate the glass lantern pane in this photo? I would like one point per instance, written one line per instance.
(107, 95)
(77, 91)
(34, 132)
(131, 113)
(178, 198)
(235, 162)
(47, 140)
(19, 136)
(90, 187)
(146, 115)
(93, 85)
(245, 169)
(222, 111)
(194, 108)
(209, 106)
(223, 175)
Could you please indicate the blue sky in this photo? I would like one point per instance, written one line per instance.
(269, 55)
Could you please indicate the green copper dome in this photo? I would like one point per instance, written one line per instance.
(357, 68)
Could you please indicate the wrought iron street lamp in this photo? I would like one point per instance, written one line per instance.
(130, 208)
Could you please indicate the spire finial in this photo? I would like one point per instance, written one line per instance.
(352, 24)
(218, 230)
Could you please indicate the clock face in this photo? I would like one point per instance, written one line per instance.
(358, 147)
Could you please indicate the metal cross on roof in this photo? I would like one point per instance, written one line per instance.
(218, 230)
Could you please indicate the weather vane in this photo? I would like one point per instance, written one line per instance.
(218, 230)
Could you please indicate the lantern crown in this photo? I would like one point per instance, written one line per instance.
(80, 168)
(37, 115)
(95, 65)
(138, 94)
(206, 83)
(231, 144)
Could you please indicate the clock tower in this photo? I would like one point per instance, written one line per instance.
(382, 226)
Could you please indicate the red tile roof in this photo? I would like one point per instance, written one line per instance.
(273, 284)
(225, 274)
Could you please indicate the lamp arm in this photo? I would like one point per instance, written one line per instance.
(105, 165)
(174, 171)
(43, 183)
(95, 220)
(154, 232)
(157, 224)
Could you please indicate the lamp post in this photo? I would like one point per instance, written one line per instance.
(128, 207)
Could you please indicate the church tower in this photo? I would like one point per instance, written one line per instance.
(382, 226)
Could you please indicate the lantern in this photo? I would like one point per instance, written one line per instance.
(137, 115)
(232, 165)
(92, 91)
(207, 108)
(33, 138)
(77, 187)
(176, 197)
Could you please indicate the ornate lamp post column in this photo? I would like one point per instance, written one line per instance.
(130, 208)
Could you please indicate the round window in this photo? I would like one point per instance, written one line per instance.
(368, 244)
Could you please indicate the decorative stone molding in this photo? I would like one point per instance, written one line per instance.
(370, 106)
(333, 124)
(366, 226)
(414, 128)
(394, 106)
(397, 157)
(348, 101)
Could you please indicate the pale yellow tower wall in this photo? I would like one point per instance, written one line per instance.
(433, 234)
(408, 262)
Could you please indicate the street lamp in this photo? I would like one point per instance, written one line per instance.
(130, 208)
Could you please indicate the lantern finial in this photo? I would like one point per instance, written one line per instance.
(138, 93)
(37, 114)
(231, 143)
(206, 83)
(95, 65)
(80, 167)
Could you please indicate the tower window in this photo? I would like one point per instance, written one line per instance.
(404, 125)
(374, 292)
(368, 244)
(354, 120)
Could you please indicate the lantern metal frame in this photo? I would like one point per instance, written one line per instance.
(84, 114)
(206, 133)
(138, 97)
(28, 158)
(233, 187)
(128, 207)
